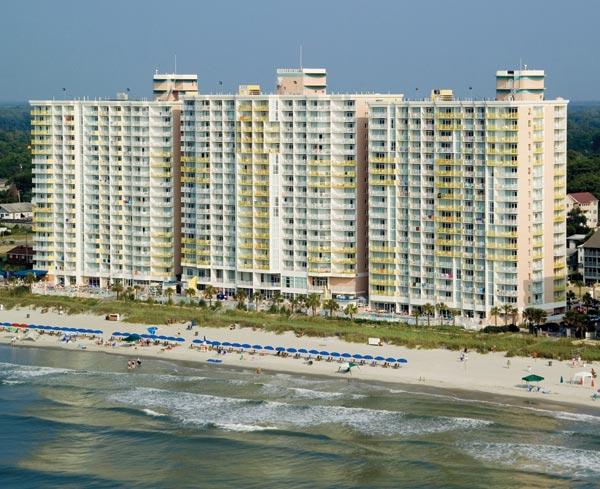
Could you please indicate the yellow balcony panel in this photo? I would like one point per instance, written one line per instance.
(559, 219)
(348, 249)
(385, 293)
(343, 163)
(343, 185)
(448, 162)
(380, 171)
(261, 235)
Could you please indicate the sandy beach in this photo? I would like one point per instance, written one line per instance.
(490, 373)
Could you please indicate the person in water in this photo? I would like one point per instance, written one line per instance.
(139, 362)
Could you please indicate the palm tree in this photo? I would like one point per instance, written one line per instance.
(417, 314)
(29, 279)
(576, 321)
(136, 292)
(507, 310)
(428, 310)
(117, 288)
(240, 297)
(254, 298)
(454, 312)
(190, 292)
(495, 312)
(441, 309)
(313, 301)
(209, 293)
(129, 292)
(351, 310)
(295, 303)
(332, 305)
(277, 299)
(169, 293)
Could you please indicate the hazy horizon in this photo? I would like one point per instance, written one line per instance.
(95, 50)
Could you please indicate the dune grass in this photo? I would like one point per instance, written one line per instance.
(448, 337)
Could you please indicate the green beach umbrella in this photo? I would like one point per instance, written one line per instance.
(533, 378)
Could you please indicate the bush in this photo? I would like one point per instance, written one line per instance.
(202, 303)
(511, 328)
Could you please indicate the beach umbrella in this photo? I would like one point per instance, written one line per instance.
(533, 378)
(172, 338)
(346, 355)
(314, 352)
(368, 357)
(280, 348)
(379, 358)
(226, 343)
(180, 340)
(324, 353)
(268, 347)
(97, 331)
(236, 345)
(162, 337)
(390, 359)
(302, 350)
(152, 330)
(216, 343)
(292, 350)
(335, 354)
(402, 360)
(246, 345)
(116, 333)
(132, 337)
(197, 341)
(257, 347)
(357, 356)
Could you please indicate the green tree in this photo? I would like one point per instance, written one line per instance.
(117, 288)
(209, 293)
(495, 312)
(576, 321)
(331, 305)
(295, 303)
(313, 302)
(579, 284)
(577, 222)
(416, 313)
(350, 310)
(189, 293)
(441, 309)
(169, 293)
(507, 311)
(428, 312)
(240, 297)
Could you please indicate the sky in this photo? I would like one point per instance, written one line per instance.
(99, 47)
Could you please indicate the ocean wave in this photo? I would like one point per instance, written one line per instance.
(205, 410)
(565, 415)
(275, 390)
(150, 412)
(11, 372)
(246, 428)
(550, 459)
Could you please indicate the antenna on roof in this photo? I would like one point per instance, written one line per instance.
(175, 63)
(300, 56)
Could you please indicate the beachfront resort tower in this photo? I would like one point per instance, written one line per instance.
(103, 191)
(467, 201)
(274, 189)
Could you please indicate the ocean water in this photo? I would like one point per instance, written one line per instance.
(83, 420)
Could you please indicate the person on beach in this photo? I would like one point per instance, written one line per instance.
(139, 362)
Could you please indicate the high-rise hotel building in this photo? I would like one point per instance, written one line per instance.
(448, 201)
(467, 200)
(274, 188)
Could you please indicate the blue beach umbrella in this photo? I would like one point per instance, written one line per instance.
(367, 357)
(379, 358)
(358, 356)
(257, 347)
(180, 339)
(292, 350)
(335, 354)
(280, 348)
(216, 343)
(198, 341)
(346, 355)
(324, 353)
(116, 333)
(402, 360)
(226, 343)
(314, 352)
(268, 347)
(302, 350)
(163, 337)
(236, 345)
(390, 359)
(246, 345)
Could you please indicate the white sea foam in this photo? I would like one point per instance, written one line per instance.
(150, 412)
(21, 373)
(206, 410)
(551, 459)
(244, 427)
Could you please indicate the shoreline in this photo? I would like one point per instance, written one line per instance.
(483, 374)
